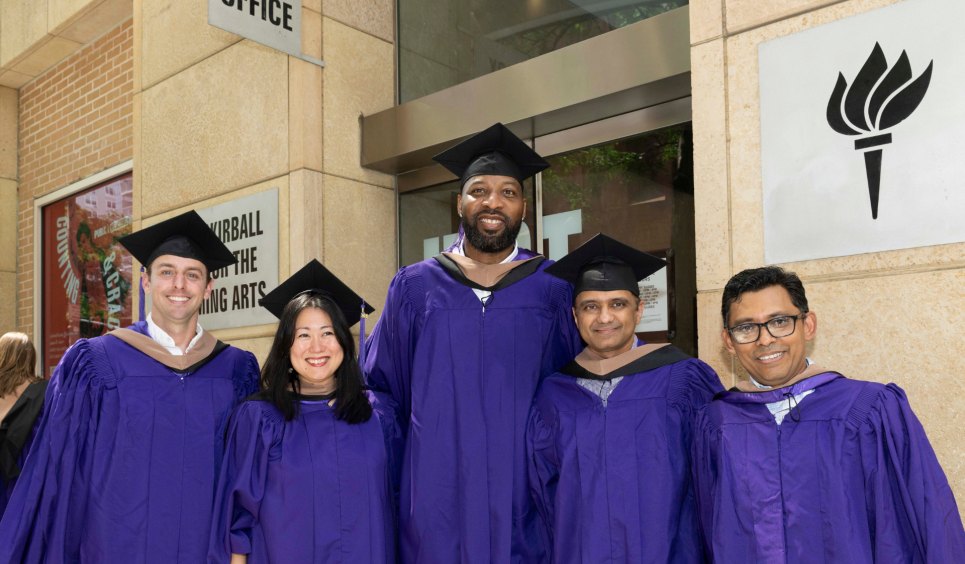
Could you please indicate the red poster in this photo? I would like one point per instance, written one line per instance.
(86, 273)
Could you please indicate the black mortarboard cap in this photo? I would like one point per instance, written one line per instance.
(314, 276)
(493, 151)
(605, 264)
(186, 235)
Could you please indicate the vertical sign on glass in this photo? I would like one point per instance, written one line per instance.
(86, 272)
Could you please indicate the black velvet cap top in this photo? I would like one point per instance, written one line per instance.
(186, 236)
(314, 276)
(494, 151)
(605, 264)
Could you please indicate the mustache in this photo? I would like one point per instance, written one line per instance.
(487, 211)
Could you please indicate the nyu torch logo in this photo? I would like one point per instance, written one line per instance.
(873, 105)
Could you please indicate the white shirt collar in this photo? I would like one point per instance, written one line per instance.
(166, 340)
(461, 251)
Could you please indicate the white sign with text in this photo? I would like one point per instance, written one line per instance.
(249, 228)
(656, 308)
(273, 23)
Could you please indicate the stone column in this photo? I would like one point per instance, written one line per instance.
(218, 117)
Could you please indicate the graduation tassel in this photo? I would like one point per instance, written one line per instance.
(140, 298)
(362, 335)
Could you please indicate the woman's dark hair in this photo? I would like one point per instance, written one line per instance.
(755, 280)
(277, 383)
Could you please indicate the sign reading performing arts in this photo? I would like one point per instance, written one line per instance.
(249, 228)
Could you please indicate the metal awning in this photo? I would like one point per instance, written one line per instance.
(634, 67)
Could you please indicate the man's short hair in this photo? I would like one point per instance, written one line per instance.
(757, 279)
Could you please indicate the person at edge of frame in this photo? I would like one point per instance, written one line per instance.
(610, 434)
(828, 469)
(310, 465)
(124, 465)
(463, 341)
(21, 408)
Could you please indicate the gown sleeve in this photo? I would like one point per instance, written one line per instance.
(913, 511)
(253, 431)
(387, 412)
(564, 338)
(692, 385)
(543, 469)
(388, 351)
(51, 492)
(704, 455)
(247, 380)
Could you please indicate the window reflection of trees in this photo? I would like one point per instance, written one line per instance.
(558, 34)
(579, 178)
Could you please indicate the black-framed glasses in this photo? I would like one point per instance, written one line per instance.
(747, 333)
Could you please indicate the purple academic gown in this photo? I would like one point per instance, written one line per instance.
(464, 377)
(126, 457)
(312, 490)
(848, 477)
(613, 482)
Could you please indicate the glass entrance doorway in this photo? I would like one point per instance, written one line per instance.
(637, 189)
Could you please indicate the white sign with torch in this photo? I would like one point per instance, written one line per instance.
(862, 126)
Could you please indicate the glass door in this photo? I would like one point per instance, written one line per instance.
(630, 177)
(639, 191)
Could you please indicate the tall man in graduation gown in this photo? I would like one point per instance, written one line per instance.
(463, 341)
(610, 435)
(801, 464)
(126, 457)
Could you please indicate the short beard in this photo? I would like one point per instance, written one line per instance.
(491, 244)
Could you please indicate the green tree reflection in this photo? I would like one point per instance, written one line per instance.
(579, 178)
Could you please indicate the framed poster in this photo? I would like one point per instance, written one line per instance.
(86, 273)
(659, 321)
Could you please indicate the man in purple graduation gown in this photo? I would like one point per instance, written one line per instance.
(463, 341)
(124, 464)
(609, 436)
(801, 464)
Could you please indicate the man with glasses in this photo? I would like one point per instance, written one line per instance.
(801, 464)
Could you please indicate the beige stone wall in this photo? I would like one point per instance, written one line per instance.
(218, 117)
(37, 34)
(9, 134)
(890, 317)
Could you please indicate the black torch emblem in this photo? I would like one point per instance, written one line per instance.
(873, 105)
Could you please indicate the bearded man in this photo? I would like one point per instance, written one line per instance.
(463, 342)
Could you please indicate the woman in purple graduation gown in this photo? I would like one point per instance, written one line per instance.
(309, 473)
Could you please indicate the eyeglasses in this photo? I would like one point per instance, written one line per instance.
(778, 327)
